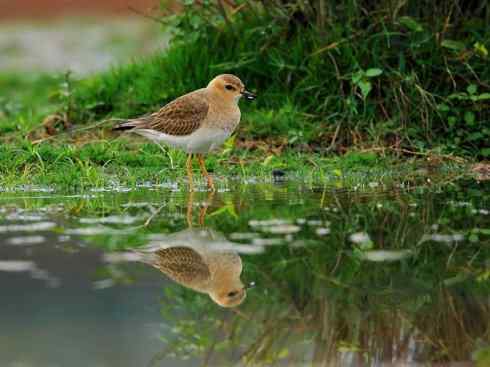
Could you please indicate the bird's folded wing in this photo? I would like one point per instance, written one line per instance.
(182, 264)
(180, 117)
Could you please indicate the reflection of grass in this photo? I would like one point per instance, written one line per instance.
(322, 303)
(319, 300)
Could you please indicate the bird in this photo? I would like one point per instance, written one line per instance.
(197, 258)
(197, 122)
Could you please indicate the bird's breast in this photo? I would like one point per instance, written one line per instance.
(224, 117)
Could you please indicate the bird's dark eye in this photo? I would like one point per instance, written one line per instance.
(229, 87)
(232, 294)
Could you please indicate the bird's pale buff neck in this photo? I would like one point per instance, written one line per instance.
(223, 112)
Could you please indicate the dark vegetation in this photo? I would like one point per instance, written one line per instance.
(395, 75)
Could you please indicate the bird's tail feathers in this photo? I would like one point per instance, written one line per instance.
(130, 124)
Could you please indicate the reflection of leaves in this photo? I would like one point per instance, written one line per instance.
(345, 346)
(228, 209)
(316, 292)
(482, 357)
(484, 277)
(453, 45)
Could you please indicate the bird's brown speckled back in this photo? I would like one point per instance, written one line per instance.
(184, 265)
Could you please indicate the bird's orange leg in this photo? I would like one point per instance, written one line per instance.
(204, 171)
(189, 172)
(190, 205)
(204, 209)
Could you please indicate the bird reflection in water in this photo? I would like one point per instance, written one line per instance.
(197, 258)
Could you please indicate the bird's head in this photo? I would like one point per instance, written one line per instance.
(231, 297)
(229, 87)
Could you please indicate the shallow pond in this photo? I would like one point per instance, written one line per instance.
(373, 277)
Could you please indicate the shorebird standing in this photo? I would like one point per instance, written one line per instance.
(197, 122)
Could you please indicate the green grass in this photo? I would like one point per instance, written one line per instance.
(25, 99)
(95, 157)
(377, 80)
(130, 161)
(377, 87)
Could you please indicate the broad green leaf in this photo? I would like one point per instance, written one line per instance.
(365, 87)
(453, 45)
(411, 24)
(475, 136)
(228, 209)
(443, 107)
(469, 118)
(337, 172)
(483, 96)
(344, 346)
(485, 152)
(357, 76)
(268, 160)
(481, 49)
(283, 353)
(471, 89)
(460, 96)
(455, 280)
(373, 72)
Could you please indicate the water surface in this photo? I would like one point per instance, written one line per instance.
(373, 277)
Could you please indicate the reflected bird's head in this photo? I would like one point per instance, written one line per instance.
(202, 260)
(230, 296)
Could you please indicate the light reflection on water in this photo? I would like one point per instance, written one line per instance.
(343, 278)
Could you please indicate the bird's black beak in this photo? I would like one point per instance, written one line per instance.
(249, 95)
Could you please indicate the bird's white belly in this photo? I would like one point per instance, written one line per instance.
(202, 140)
